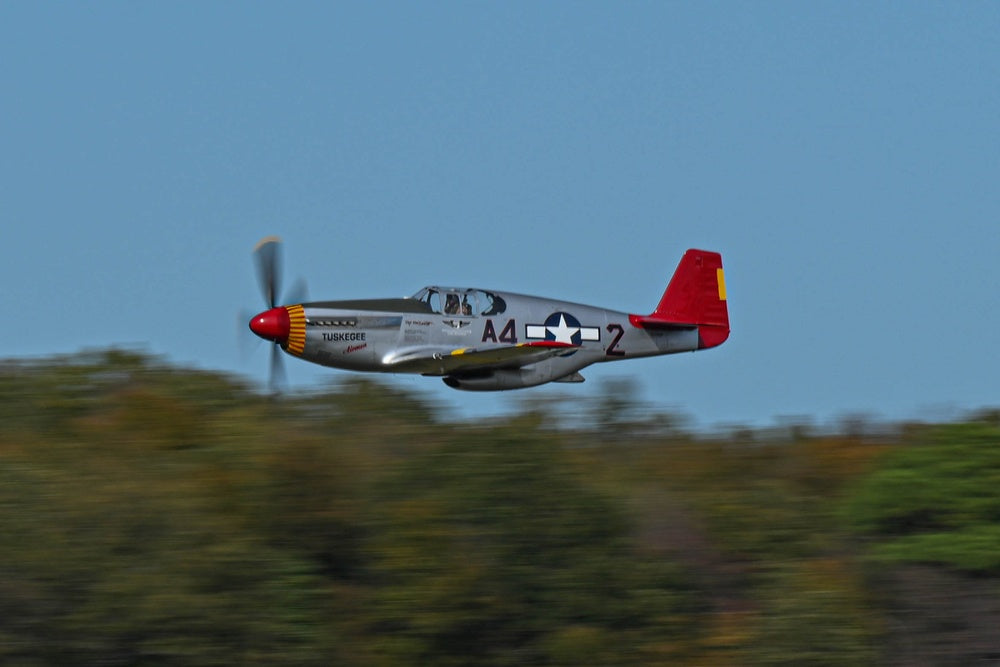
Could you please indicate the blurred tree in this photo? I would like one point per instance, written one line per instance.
(928, 516)
(309, 503)
(158, 515)
(813, 613)
(937, 501)
(491, 550)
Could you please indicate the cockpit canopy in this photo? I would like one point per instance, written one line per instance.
(461, 302)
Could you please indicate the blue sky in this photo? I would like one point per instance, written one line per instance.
(844, 157)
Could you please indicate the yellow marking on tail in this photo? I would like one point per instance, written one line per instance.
(720, 276)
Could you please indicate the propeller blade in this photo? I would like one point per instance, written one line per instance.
(267, 255)
(267, 259)
(298, 293)
(245, 339)
(276, 379)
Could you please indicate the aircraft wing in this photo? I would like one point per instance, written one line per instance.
(448, 361)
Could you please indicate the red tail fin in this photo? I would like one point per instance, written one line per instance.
(695, 297)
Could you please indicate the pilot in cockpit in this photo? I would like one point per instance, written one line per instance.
(451, 304)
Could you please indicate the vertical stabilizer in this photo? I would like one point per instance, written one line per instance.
(695, 298)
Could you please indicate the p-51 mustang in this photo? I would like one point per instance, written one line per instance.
(488, 340)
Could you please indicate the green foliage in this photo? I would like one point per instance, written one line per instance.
(937, 501)
(825, 621)
(494, 551)
(156, 515)
(123, 563)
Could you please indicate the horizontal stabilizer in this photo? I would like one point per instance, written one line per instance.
(652, 322)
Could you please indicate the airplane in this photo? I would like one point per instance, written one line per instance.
(490, 340)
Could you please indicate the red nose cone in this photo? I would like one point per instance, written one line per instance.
(272, 325)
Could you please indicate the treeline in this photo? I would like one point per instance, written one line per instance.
(157, 515)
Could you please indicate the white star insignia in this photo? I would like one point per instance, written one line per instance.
(563, 333)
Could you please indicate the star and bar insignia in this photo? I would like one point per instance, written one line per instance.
(562, 328)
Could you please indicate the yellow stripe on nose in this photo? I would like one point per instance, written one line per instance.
(297, 329)
(722, 283)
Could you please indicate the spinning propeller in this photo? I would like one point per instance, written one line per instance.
(274, 324)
